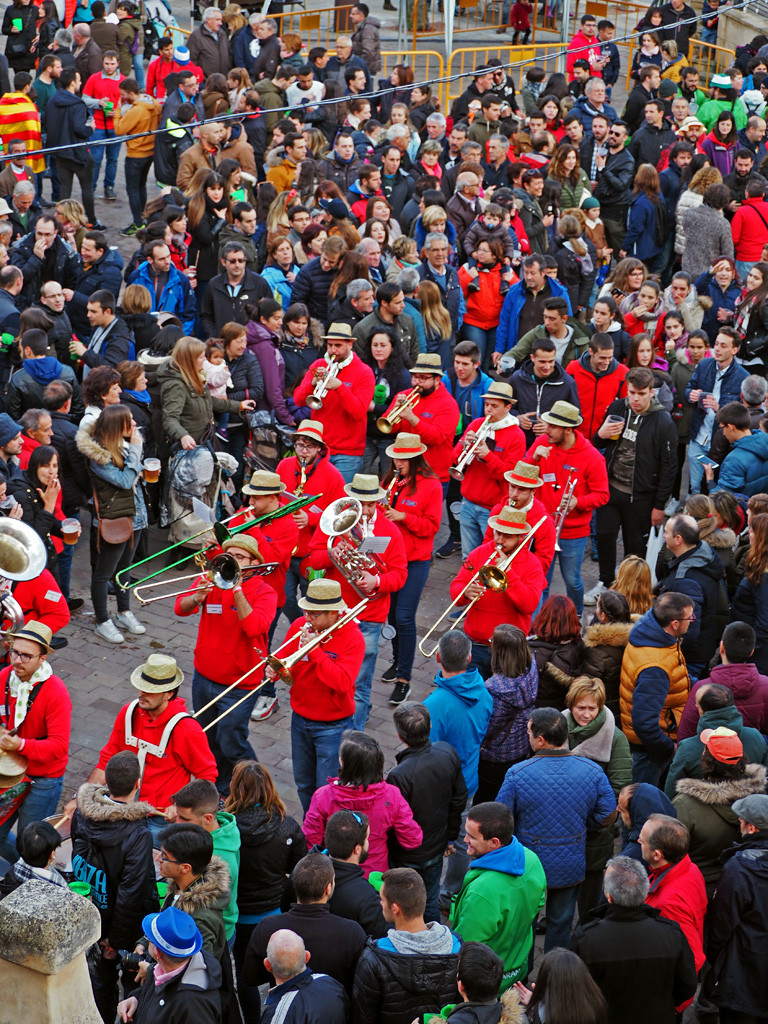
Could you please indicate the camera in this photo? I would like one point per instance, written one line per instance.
(130, 961)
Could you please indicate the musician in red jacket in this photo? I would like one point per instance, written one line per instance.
(434, 417)
(387, 577)
(515, 604)
(524, 480)
(344, 412)
(323, 688)
(502, 443)
(37, 709)
(231, 641)
(41, 599)
(414, 503)
(565, 456)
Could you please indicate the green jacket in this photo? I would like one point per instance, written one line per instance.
(570, 195)
(708, 113)
(576, 347)
(226, 844)
(686, 763)
(205, 900)
(503, 891)
(184, 411)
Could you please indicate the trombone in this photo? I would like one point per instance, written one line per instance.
(220, 533)
(282, 666)
(481, 435)
(315, 400)
(493, 576)
(223, 572)
(562, 509)
(388, 423)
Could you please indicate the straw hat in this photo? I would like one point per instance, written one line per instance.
(509, 520)
(524, 475)
(245, 543)
(158, 674)
(339, 330)
(38, 632)
(310, 430)
(323, 596)
(365, 487)
(563, 414)
(501, 391)
(689, 122)
(428, 362)
(263, 482)
(406, 446)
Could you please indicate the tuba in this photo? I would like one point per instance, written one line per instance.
(341, 523)
(22, 557)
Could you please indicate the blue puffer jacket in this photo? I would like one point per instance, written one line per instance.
(745, 467)
(107, 273)
(279, 283)
(176, 297)
(461, 708)
(311, 287)
(555, 798)
(639, 240)
(509, 318)
(729, 299)
(703, 379)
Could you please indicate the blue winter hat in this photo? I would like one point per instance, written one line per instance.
(8, 429)
(173, 932)
(181, 55)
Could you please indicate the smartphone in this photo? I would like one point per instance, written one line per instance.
(706, 458)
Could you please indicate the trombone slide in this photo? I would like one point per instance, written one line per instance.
(282, 666)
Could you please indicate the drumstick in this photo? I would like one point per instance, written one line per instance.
(62, 819)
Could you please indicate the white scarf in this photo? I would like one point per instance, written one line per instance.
(341, 364)
(22, 689)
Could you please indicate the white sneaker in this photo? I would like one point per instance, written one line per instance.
(672, 506)
(591, 596)
(129, 621)
(109, 631)
(263, 708)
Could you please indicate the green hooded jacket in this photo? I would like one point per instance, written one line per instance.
(226, 844)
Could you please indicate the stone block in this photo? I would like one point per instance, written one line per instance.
(63, 998)
(44, 927)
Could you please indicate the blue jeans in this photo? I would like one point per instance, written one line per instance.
(481, 659)
(371, 632)
(709, 35)
(376, 450)
(457, 864)
(137, 170)
(295, 586)
(484, 339)
(40, 802)
(473, 521)
(402, 615)
(347, 465)
(561, 906)
(315, 753)
(570, 556)
(430, 873)
(138, 66)
(696, 468)
(228, 740)
(98, 152)
(648, 767)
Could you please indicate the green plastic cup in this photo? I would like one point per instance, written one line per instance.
(17, 23)
(81, 888)
(162, 890)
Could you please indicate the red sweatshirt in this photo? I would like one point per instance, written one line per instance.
(42, 600)
(246, 639)
(344, 414)
(100, 87)
(277, 541)
(516, 604)
(543, 543)
(392, 576)
(46, 728)
(596, 391)
(423, 512)
(323, 480)
(484, 482)
(438, 415)
(591, 482)
(187, 755)
(323, 687)
(157, 72)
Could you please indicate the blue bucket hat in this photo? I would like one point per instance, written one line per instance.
(173, 932)
(9, 428)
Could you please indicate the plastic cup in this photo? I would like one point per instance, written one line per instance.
(70, 529)
(162, 890)
(151, 470)
(81, 888)
(18, 24)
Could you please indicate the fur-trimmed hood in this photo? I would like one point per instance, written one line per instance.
(509, 1012)
(721, 539)
(723, 793)
(607, 634)
(94, 803)
(682, 356)
(89, 448)
(211, 889)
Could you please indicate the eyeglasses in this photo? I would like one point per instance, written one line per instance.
(236, 260)
(25, 659)
(689, 618)
(168, 860)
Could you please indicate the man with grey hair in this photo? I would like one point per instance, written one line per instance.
(399, 136)
(471, 153)
(24, 209)
(408, 279)
(246, 44)
(299, 996)
(88, 54)
(268, 58)
(464, 207)
(371, 250)
(356, 304)
(62, 47)
(209, 44)
(344, 59)
(435, 126)
(434, 267)
(592, 102)
(641, 961)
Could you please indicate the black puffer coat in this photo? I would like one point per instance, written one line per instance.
(556, 663)
(311, 287)
(270, 848)
(34, 514)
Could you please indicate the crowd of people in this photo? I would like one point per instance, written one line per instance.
(352, 318)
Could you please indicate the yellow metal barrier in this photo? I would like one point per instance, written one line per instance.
(428, 66)
(463, 62)
(316, 28)
(708, 59)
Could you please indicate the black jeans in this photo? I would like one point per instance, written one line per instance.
(110, 558)
(68, 170)
(634, 520)
(137, 169)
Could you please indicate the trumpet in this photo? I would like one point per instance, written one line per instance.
(483, 432)
(315, 400)
(388, 423)
(341, 522)
(562, 508)
(282, 666)
(493, 576)
(223, 572)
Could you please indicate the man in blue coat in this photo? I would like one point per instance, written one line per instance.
(555, 798)
(299, 996)
(101, 269)
(745, 468)
(168, 288)
(524, 305)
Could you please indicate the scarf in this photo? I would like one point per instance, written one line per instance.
(341, 365)
(20, 691)
(139, 396)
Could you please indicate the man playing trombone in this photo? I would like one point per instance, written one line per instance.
(231, 639)
(524, 481)
(323, 684)
(516, 602)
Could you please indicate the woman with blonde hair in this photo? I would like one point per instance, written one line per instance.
(625, 279)
(633, 580)
(437, 321)
(72, 217)
(693, 196)
(721, 539)
(238, 83)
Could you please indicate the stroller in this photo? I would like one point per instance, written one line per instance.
(158, 22)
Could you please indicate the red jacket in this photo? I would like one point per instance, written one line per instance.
(516, 604)
(42, 600)
(392, 577)
(100, 87)
(187, 755)
(323, 687)
(581, 47)
(246, 639)
(591, 483)
(483, 306)
(680, 894)
(438, 414)
(46, 728)
(596, 390)
(543, 543)
(423, 513)
(749, 228)
(344, 414)
(323, 480)
(484, 482)
(277, 541)
(157, 72)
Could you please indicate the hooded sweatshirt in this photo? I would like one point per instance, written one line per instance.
(687, 761)
(503, 891)
(226, 844)
(645, 801)
(461, 709)
(43, 370)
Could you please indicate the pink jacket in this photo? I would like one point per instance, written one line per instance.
(387, 810)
